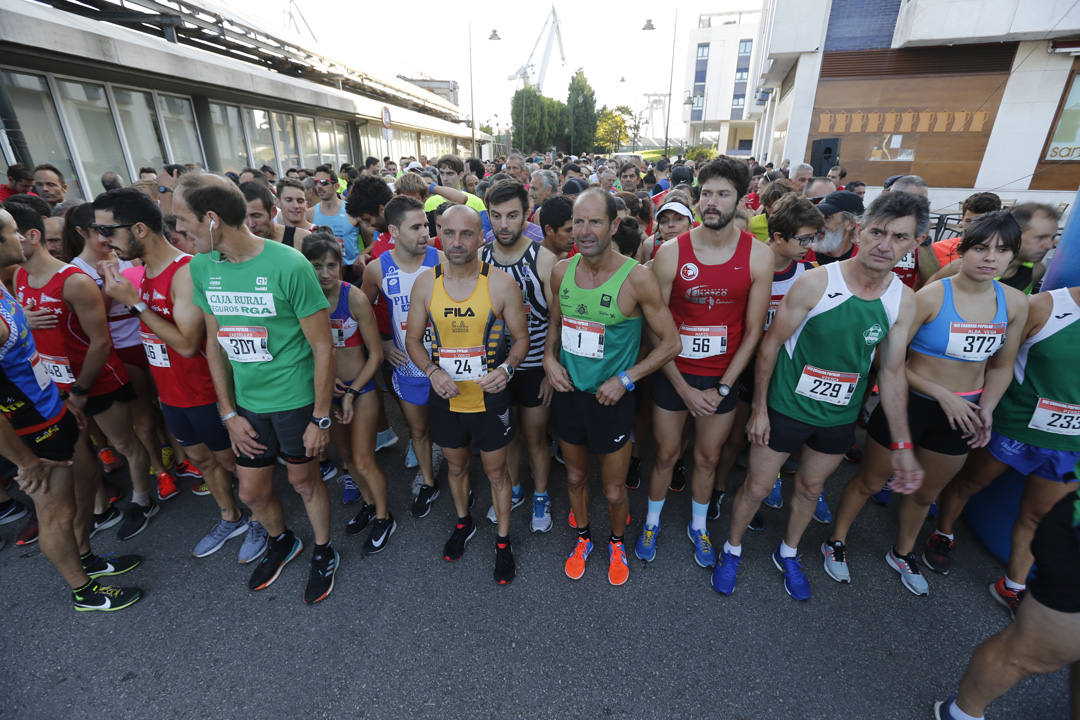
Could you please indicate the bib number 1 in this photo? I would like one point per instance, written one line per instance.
(583, 338)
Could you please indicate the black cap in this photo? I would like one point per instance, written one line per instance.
(681, 174)
(841, 201)
(574, 186)
(890, 180)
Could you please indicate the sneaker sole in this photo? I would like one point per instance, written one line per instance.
(235, 533)
(514, 505)
(777, 506)
(129, 603)
(256, 556)
(331, 476)
(930, 565)
(388, 443)
(542, 528)
(298, 547)
(371, 550)
(111, 573)
(464, 545)
(200, 493)
(823, 522)
(621, 582)
(337, 560)
(170, 496)
(916, 593)
(14, 516)
(825, 565)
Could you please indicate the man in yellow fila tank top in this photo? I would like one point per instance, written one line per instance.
(477, 343)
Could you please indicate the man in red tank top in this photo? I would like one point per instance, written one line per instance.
(174, 337)
(716, 279)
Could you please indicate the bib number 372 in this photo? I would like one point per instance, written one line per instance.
(835, 388)
(974, 341)
(244, 344)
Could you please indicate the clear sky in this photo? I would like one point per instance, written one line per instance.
(621, 61)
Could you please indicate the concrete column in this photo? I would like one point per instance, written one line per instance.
(805, 91)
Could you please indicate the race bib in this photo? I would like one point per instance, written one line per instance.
(244, 344)
(974, 341)
(907, 262)
(156, 352)
(835, 388)
(774, 305)
(463, 363)
(583, 338)
(337, 332)
(41, 372)
(1056, 417)
(702, 341)
(427, 336)
(55, 368)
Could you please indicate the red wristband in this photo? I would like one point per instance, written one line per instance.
(902, 446)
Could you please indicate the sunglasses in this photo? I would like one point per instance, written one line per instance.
(164, 189)
(808, 240)
(107, 231)
(322, 182)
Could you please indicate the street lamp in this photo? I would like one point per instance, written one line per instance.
(472, 94)
(671, 72)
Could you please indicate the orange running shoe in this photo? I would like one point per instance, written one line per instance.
(573, 522)
(575, 564)
(187, 470)
(166, 485)
(618, 571)
(109, 459)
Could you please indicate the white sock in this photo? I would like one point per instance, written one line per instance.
(735, 550)
(699, 514)
(787, 552)
(142, 499)
(1014, 585)
(956, 713)
(950, 536)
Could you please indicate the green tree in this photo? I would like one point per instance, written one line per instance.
(611, 130)
(581, 107)
(538, 121)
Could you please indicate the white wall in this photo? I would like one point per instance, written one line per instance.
(944, 22)
(803, 94)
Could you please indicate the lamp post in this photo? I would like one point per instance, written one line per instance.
(472, 95)
(671, 72)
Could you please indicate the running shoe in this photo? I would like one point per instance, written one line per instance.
(104, 598)
(757, 522)
(349, 492)
(504, 563)
(96, 566)
(932, 512)
(556, 453)
(136, 518)
(714, 504)
(110, 461)
(882, 496)
(105, 520)
(255, 543)
(463, 533)
(381, 530)
(410, 457)
(723, 577)
(836, 567)
(618, 570)
(187, 470)
(329, 470)
(11, 511)
(908, 569)
(942, 709)
(516, 500)
(645, 547)
(166, 485)
(937, 553)
(222, 532)
(421, 506)
(822, 513)
(201, 489)
(386, 438)
(853, 455)
(776, 496)
(1006, 596)
(575, 564)
(541, 518)
(320, 582)
(168, 456)
(704, 552)
(795, 581)
(360, 520)
(678, 477)
(633, 473)
(790, 466)
(29, 534)
(278, 555)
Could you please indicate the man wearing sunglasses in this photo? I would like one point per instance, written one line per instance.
(842, 210)
(330, 211)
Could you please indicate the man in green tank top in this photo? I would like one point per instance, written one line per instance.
(598, 300)
(811, 374)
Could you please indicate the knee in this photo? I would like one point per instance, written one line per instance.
(575, 479)
(615, 493)
(457, 470)
(666, 456)
(253, 494)
(706, 457)
(128, 444)
(302, 483)
(866, 484)
(498, 479)
(756, 491)
(57, 517)
(419, 434)
(808, 490)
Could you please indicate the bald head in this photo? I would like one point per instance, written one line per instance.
(461, 232)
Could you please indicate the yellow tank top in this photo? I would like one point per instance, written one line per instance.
(467, 341)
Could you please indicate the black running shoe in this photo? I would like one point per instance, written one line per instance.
(104, 598)
(105, 520)
(136, 518)
(381, 530)
(421, 506)
(633, 473)
(678, 477)
(714, 504)
(937, 555)
(361, 519)
(320, 582)
(96, 566)
(277, 556)
(757, 522)
(463, 532)
(11, 511)
(504, 562)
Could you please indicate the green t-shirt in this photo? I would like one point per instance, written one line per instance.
(257, 305)
(434, 201)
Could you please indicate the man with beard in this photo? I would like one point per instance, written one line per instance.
(716, 280)
(842, 210)
(529, 263)
(261, 213)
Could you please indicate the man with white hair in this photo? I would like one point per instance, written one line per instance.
(800, 175)
(545, 183)
(842, 210)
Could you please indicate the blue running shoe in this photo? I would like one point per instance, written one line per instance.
(776, 497)
(410, 458)
(821, 512)
(933, 511)
(349, 492)
(882, 497)
(328, 470)
(704, 552)
(795, 581)
(645, 548)
(541, 519)
(723, 577)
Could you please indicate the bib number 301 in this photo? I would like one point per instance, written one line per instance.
(835, 388)
(244, 344)
(1056, 417)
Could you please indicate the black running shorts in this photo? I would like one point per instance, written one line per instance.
(578, 419)
(666, 398)
(281, 432)
(787, 435)
(1056, 548)
(928, 424)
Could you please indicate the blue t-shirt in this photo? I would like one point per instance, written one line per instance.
(346, 233)
(31, 401)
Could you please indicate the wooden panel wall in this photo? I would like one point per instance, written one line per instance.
(1058, 174)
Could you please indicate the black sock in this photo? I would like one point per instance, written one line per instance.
(84, 588)
(465, 521)
(283, 536)
(584, 533)
(86, 556)
(615, 538)
(502, 542)
(323, 548)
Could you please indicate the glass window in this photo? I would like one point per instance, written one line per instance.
(741, 76)
(179, 121)
(344, 151)
(286, 138)
(229, 138)
(744, 46)
(141, 127)
(1065, 142)
(327, 144)
(257, 123)
(699, 102)
(309, 143)
(703, 50)
(33, 131)
(738, 101)
(92, 129)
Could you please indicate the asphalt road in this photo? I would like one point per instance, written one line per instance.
(406, 634)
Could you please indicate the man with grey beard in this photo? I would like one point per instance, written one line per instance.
(842, 210)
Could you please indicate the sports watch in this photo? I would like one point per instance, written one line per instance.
(322, 422)
(723, 390)
(138, 308)
(509, 370)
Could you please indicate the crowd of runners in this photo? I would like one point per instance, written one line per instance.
(537, 308)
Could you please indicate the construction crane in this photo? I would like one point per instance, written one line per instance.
(551, 27)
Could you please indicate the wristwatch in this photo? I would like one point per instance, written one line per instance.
(77, 389)
(139, 307)
(723, 390)
(509, 370)
(322, 422)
